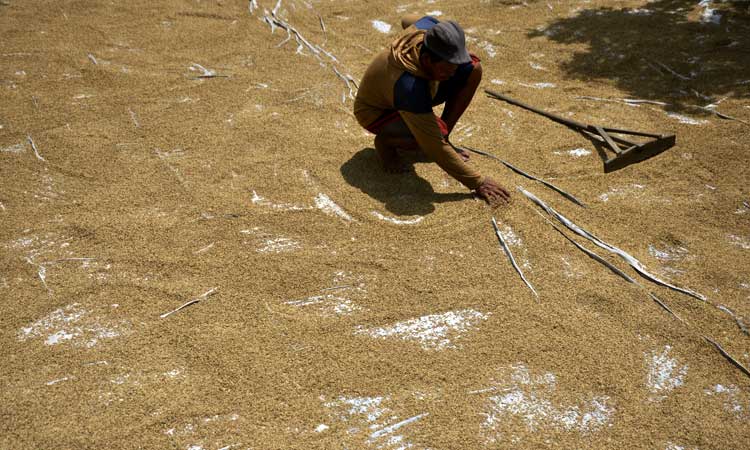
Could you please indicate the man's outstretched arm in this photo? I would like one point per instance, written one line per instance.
(427, 133)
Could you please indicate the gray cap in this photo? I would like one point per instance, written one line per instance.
(447, 40)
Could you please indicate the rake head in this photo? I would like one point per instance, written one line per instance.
(627, 152)
(639, 152)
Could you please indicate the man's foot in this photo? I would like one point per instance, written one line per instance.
(392, 162)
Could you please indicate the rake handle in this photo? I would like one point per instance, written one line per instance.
(555, 117)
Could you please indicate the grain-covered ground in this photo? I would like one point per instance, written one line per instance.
(155, 153)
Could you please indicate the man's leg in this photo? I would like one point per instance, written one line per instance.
(409, 20)
(458, 101)
(393, 136)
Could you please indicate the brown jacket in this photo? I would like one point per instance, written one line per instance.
(395, 80)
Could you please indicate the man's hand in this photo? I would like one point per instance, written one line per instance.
(493, 193)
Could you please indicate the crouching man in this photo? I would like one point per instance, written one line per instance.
(427, 65)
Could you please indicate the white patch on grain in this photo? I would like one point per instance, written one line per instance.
(73, 323)
(687, 120)
(526, 397)
(60, 336)
(271, 244)
(381, 26)
(414, 221)
(496, 81)
(569, 270)
(325, 204)
(664, 374)
(536, 66)
(345, 290)
(328, 303)
(369, 407)
(17, 148)
(739, 241)
(279, 245)
(174, 373)
(59, 380)
(434, 13)
(61, 317)
(576, 152)
(539, 85)
(369, 418)
(510, 237)
(433, 332)
(668, 253)
(621, 191)
(672, 446)
(513, 240)
(639, 12)
(488, 48)
(262, 201)
(733, 401)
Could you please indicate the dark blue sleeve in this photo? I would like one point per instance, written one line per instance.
(412, 94)
(426, 22)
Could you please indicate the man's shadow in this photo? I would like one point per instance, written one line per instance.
(403, 194)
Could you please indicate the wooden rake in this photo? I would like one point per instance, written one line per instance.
(625, 151)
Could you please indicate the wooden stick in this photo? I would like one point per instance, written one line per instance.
(728, 356)
(207, 73)
(737, 319)
(346, 81)
(36, 151)
(633, 262)
(590, 253)
(510, 256)
(274, 21)
(191, 302)
(322, 25)
(41, 272)
(206, 248)
(55, 261)
(391, 428)
(717, 113)
(635, 101)
(522, 173)
(134, 118)
(681, 77)
(334, 288)
(666, 308)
